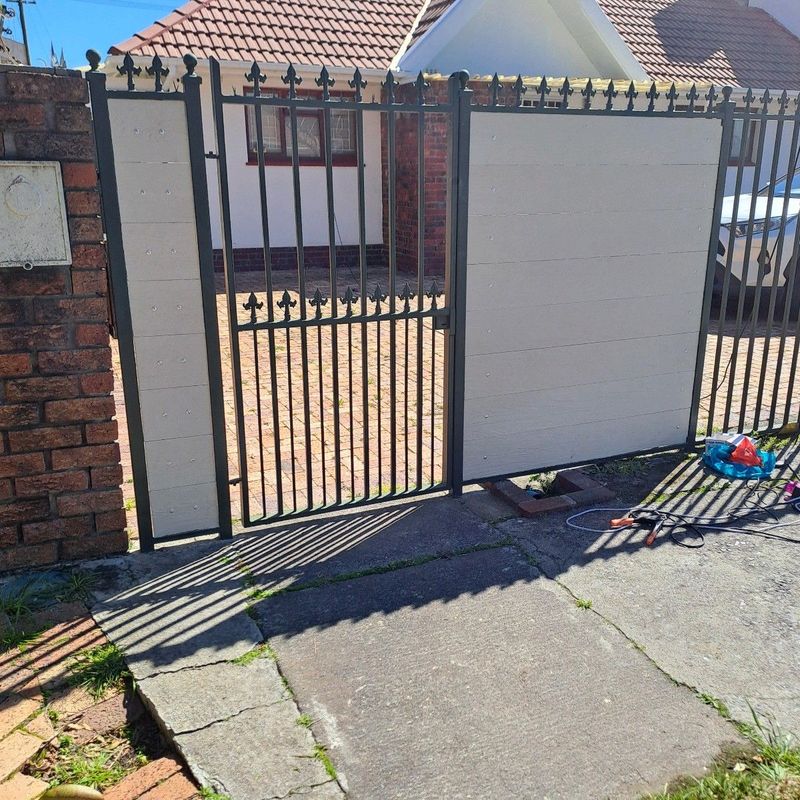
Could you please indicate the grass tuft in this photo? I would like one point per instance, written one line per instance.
(209, 794)
(768, 770)
(321, 754)
(78, 587)
(262, 650)
(305, 721)
(99, 669)
(582, 603)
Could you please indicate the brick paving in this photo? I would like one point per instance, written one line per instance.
(32, 729)
(257, 395)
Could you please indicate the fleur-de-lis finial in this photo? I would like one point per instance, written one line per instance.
(93, 57)
(495, 87)
(652, 95)
(292, 80)
(542, 90)
(159, 71)
(783, 102)
(672, 96)
(378, 297)
(565, 91)
(325, 81)
(256, 78)
(348, 298)
(749, 98)
(631, 94)
(287, 304)
(588, 93)
(316, 302)
(692, 96)
(252, 305)
(420, 84)
(406, 296)
(129, 69)
(519, 88)
(433, 293)
(711, 99)
(389, 85)
(766, 99)
(357, 84)
(610, 93)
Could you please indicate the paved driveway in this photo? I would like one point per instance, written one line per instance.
(436, 649)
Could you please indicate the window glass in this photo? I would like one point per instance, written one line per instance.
(270, 126)
(308, 135)
(342, 135)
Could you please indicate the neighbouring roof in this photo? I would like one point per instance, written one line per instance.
(709, 41)
(337, 33)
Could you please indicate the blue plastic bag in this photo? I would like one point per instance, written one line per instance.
(717, 458)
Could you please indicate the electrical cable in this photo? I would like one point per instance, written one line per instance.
(672, 521)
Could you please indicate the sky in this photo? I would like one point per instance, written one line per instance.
(78, 25)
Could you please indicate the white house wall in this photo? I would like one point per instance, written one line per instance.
(512, 37)
(587, 252)
(243, 177)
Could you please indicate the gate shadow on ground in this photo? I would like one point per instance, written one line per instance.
(162, 606)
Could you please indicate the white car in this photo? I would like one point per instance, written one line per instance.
(767, 257)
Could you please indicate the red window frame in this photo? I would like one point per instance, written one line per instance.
(285, 157)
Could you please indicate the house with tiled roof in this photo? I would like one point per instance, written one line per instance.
(743, 43)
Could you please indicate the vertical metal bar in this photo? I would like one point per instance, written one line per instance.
(433, 399)
(456, 280)
(350, 405)
(726, 281)
(726, 110)
(292, 453)
(301, 280)
(745, 273)
(362, 274)
(392, 214)
(230, 283)
(777, 254)
(760, 277)
(788, 291)
(379, 391)
(265, 239)
(112, 224)
(322, 417)
(420, 284)
(194, 124)
(324, 81)
(405, 396)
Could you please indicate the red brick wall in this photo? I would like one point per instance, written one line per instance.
(60, 472)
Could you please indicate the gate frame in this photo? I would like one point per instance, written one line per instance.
(119, 295)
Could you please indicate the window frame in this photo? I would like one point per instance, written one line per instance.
(753, 127)
(284, 158)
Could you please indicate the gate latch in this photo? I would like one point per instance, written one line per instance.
(441, 321)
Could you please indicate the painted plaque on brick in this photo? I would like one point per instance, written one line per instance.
(33, 215)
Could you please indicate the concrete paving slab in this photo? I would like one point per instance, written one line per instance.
(189, 700)
(724, 619)
(476, 677)
(350, 542)
(259, 754)
(174, 609)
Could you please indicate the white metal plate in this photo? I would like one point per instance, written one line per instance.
(33, 215)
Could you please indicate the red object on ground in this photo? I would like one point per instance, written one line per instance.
(745, 453)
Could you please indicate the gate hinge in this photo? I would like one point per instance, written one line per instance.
(441, 321)
(212, 155)
(235, 481)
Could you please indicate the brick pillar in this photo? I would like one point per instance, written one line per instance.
(60, 472)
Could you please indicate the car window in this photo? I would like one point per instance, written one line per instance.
(780, 187)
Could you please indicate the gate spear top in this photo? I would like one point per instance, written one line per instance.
(286, 303)
(317, 301)
(652, 95)
(252, 305)
(159, 71)
(130, 69)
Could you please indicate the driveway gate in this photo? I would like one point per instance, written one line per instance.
(569, 324)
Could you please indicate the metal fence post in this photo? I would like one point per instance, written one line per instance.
(194, 124)
(725, 112)
(112, 225)
(460, 99)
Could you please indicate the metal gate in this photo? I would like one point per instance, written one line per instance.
(339, 371)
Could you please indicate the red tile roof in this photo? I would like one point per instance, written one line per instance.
(337, 33)
(710, 41)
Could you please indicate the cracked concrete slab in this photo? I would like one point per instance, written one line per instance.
(723, 619)
(259, 754)
(477, 677)
(189, 700)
